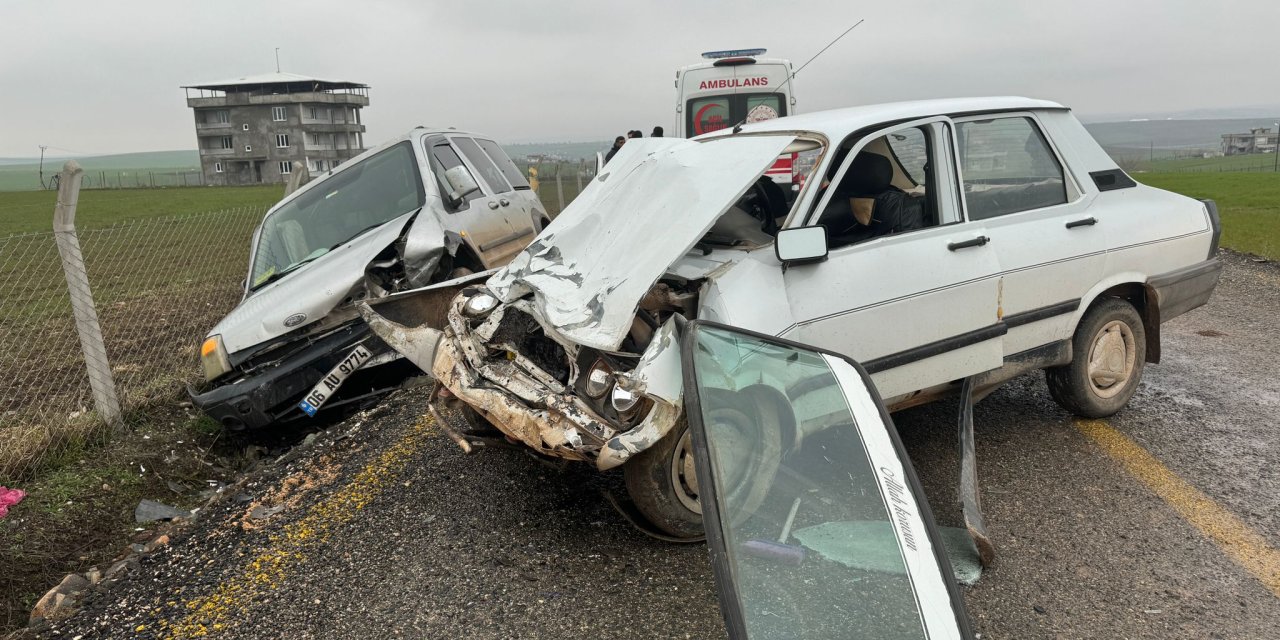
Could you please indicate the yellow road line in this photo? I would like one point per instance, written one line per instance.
(267, 571)
(1241, 543)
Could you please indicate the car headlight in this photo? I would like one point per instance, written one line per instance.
(598, 379)
(479, 305)
(213, 358)
(623, 400)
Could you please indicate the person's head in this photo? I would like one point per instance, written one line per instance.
(635, 133)
(619, 141)
(657, 132)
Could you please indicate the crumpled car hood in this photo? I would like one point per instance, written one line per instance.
(591, 266)
(313, 290)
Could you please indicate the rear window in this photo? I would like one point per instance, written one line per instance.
(713, 113)
(505, 165)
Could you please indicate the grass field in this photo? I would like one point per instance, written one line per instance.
(1249, 204)
(1251, 162)
(24, 211)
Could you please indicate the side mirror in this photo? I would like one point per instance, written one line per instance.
(461, 184)
(801, 245)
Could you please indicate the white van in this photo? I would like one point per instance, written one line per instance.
(731, 87)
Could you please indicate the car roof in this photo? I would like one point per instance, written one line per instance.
(838, 123)
(709, 64)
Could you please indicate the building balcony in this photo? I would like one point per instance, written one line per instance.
(335, 127)
(241, 99)
(218, 152)
(207, 126)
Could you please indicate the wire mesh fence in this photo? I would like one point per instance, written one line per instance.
(558, 183)
(157, 286)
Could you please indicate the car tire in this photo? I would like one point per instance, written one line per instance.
(1109, 350)
(663, 483)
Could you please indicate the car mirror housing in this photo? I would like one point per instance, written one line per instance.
(461, 184)
(801, 245)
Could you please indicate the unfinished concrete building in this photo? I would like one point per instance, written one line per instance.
(260, 129)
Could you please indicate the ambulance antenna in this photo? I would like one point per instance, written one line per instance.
(792, 75)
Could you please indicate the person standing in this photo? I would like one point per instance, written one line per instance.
(657, 132)
(635, 133)
(617, 144)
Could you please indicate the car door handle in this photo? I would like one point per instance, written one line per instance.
(505, 202)
(1084, 222)
(493, 205)
(964, 244)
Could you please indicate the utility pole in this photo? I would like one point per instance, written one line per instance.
(277, 59)
(1275, 150)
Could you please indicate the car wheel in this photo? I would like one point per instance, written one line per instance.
(1110, 349)
(663, 482)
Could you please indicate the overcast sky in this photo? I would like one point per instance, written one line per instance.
(104, 77)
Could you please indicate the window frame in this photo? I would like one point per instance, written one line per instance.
(217, 167)
(498, 162)
(429, 143)
(476, 171)
(286, 167)
(737, 103)
(227, 143)
(944, 153)
(282, 138)
(281, 112)
(1071, 186)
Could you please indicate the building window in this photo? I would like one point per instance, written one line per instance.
(282, 140)
(278, 114)
(217, 167)
(244, 127)
(226, 142)
(248, 148)
(286, 166)
(318, 165)
(315, 113)
(221, 116)
(334, 164)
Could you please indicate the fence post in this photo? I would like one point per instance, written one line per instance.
(560, 189)
(95, 352)
(578, 172)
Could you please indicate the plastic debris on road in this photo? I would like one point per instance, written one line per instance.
(8, 498)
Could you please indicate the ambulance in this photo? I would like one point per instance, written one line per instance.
(735, 86)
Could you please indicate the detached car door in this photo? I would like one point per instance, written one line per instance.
(815, 521)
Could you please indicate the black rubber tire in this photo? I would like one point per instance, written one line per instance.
(648, 478)
(651, 475)
(1069, 384)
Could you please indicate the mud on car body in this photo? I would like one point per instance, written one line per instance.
(934, 242)
(425, 207)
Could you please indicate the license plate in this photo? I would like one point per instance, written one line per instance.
(330, 383)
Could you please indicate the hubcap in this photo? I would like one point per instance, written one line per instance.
(683, 476)
(1111, 359)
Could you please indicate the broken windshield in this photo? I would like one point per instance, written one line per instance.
(363, 196)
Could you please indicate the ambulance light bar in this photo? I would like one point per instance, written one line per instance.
(733, 53)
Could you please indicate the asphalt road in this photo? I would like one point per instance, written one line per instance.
(1161, 522)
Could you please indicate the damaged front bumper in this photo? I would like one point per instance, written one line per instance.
(271, 394)
(527, 402)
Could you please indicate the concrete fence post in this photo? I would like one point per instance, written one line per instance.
(577, 172)
(560, 188)
(91, 344)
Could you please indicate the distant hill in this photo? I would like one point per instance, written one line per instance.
(563, 150)
(1172, 134)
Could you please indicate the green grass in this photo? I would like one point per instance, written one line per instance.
(1254, 162)
(1249, 204)
(164, 168)
(24, 211)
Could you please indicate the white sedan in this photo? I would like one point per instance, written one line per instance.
(932, 241)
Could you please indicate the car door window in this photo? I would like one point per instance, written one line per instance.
(1007, 167)
(884, 189)
(489, 171)
(444, 158)
(815, 520)
(509, 169)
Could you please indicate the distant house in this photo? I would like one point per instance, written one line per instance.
(260, 129)
(1258, 140)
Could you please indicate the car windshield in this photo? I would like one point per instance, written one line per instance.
(361, 197)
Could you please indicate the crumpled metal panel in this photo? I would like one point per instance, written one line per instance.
(314, 290)
(591, 266)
